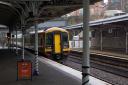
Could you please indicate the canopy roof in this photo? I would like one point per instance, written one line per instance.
(11, 11)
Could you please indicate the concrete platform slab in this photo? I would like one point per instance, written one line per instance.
(51, 73)
(71, 72)
(48, 75)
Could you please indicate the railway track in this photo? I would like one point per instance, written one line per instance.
(109, 64)
(105, 68)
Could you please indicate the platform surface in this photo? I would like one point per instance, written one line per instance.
(71, 72)
(51, 73)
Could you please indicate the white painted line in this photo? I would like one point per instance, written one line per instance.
(93, 81)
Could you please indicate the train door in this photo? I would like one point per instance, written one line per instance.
(57, 43)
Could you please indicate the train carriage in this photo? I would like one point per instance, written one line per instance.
(57, 42)
(53, 43)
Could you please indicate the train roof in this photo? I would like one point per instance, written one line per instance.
(56, 29)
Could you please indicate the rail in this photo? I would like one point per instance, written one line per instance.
(109, 64)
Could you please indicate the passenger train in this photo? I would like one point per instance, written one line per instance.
(53, 42)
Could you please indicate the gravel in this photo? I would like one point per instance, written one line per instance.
(102, 75)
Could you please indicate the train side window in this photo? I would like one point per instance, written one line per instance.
(49, 39)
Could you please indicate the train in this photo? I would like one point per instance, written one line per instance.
(53, 43)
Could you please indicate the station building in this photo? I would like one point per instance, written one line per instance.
(105, 34)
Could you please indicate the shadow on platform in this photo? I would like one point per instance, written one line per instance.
(48, 75)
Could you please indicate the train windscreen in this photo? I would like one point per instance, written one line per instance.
(49, 39)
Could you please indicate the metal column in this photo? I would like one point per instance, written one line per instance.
(12, 42)
(36, 69)
(126, 42)
(35, 13)
(9, 40)
(86, 51)
(22, 43)
(101, 40)
(16, 42)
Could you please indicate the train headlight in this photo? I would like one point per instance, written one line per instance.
(48, 47)
(66, 46)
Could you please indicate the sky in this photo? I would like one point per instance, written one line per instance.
(105, 1)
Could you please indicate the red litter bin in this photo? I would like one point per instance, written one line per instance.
(24, 69)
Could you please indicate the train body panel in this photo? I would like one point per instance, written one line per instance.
(57, 47)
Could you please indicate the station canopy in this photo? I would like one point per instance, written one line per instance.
(12, 11)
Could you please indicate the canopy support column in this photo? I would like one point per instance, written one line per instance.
(35, 13)
(36, 69)
(11, 42)
(126, 42)
(23, 43)
(101, 40)
(16, 43)
(86, 51)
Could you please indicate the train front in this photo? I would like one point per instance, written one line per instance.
(57, 43)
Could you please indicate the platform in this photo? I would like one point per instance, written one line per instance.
(51, 73)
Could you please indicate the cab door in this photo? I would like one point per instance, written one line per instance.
(57, 43)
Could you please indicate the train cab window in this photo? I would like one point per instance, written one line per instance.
(65, 39)
(49, 39)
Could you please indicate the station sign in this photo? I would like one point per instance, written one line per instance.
(24, 69)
